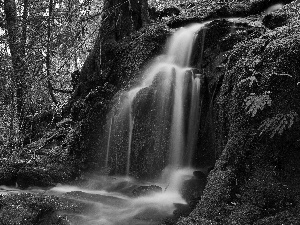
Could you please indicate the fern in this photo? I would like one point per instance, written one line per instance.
(257, 102)
(278, 123)
(250, 79)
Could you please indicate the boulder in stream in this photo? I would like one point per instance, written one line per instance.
(146, 190)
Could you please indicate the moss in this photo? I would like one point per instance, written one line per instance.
(264, 192)
(245, 186)
(285, 217)
(28, 209)
(244, 214)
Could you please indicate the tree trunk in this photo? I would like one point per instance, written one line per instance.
(144, 11)
(17, 41)
(122, 17)
(48, 56)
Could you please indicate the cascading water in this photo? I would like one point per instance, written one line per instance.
(110, 125)
(194, 119)
(131, 95)
(174, 72)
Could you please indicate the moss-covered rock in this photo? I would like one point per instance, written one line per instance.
(255, 114)
(44, 162)
(31, 209)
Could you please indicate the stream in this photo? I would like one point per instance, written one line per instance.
(110, 200)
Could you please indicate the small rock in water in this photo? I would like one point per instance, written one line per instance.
(192, 189)
(146, 190)
(182, 210)
(199, 175)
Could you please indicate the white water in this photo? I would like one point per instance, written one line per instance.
(131, 95)
(181, 44)
(108, 200)
(180, 50)
(177, 142)
(110, 125)
(194, 119)
(113, 204)
(174, 67)
(273, 8)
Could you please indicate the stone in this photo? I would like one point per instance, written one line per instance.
(146, 190)
(182, 210)
(193, 188)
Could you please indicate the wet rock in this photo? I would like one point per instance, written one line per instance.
(146, 190)
(182, 210)
(29, 176)
(53, 218)
(192, 189)
(200, 175)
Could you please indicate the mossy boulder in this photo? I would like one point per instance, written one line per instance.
(29, 209)
(256, 128)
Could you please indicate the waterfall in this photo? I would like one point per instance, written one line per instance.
(131, 95)
(194, 119)
(110, 125)
(180, 51)
(172, 76)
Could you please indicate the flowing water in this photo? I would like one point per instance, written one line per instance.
(106, 200)
(131, 95)
(110, 125)
(194, 119)
(109, 201)
(175, 66)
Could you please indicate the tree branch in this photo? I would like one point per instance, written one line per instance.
(24, 26)
(51, 89)
(48, 63)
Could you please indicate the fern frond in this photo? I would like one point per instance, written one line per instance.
(257, 102)
(278, 124)
(250, 79)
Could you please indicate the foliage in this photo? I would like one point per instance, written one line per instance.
(257, 102)
(73, 30)
(160, 4)
(278, 123)
(250, 79)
